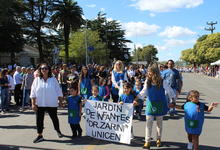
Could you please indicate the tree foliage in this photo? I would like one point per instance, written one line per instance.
(37, 14)
(205, 51)
(111, 33)
(68, 15)
(147, 53)
(11, 35)
(77, 47)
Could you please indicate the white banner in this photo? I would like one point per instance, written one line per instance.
(109, 121)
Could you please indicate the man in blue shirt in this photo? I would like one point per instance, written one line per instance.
(18, 81)
(172, 76)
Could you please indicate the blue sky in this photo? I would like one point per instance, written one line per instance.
(170, 25)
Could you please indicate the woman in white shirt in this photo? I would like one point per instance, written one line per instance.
(45, 92)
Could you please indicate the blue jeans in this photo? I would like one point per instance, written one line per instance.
(4, 98)
(26, 97)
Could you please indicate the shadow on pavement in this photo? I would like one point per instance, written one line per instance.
(17, 127)
(139, 142)
(16, 147)
(84, 140)
(9, 115)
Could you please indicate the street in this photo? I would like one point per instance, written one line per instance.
(17, 129)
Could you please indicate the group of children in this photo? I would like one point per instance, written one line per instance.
(193, 108)
(99, 93)
(194, 111)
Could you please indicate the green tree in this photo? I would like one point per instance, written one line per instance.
(67, 15)
(205, 51)
(208, 50)
(77, 47)
(149, 53)
(37, 14)
(188, 56)
(11, 35)
(111, 33)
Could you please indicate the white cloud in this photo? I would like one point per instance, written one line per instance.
(109, 19)
(165, 5)
(102, 9)
(91, 5)
(171, 43)
(176, 31)
(134, 29)
(152, 14)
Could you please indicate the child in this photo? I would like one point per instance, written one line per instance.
(128, 97)
(95, 94)
(137, 88)
(85, 83)
(103, 89)
(74, 111)
(156, 103)
(194, 117)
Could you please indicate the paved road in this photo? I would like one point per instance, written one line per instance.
(17, 129)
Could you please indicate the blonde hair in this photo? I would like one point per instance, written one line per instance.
(155, 79)
(121, 67)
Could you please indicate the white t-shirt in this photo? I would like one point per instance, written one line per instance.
(46, 92)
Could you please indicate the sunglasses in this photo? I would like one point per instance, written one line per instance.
(44, 68)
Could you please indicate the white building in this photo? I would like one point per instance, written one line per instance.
(27, 57)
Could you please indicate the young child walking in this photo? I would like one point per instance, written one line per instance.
(194, 117)
(95, 94)
(137, 89)
(74, 111)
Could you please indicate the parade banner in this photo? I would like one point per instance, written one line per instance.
(109, 121)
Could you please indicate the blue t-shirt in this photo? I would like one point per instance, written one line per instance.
(194, 117)
(74, 109)
(97, 98)
(127, 98)
(103, 92)
(171, 76)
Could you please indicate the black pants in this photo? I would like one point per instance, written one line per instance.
(18, 94)
(52, 111)
(76, 129)
(115, 98)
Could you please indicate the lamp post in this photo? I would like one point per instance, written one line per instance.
(86, 45)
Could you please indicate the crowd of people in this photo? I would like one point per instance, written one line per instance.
(45, 88)
(212, 71)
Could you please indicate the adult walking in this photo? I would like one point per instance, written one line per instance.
(172, 76)
(45, 92)
(118, 76)
(156, 102)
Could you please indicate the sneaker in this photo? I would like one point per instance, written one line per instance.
(146, 145)
(190, 146)
(38, 139)
(158, 143)
(60, 135)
